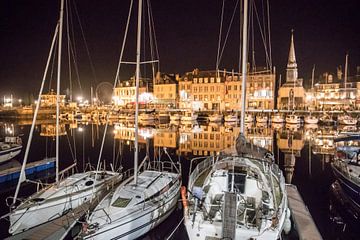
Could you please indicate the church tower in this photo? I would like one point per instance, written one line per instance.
(291, 70)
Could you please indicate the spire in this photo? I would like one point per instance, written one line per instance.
(292, 58)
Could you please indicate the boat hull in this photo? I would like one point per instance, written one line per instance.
(9, 154)
(38, 209)
(349, 187)
(139, 220)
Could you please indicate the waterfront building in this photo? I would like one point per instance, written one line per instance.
(221, 90)
(260, 90)
(332, 93)
(124, 93)
(165, 91)
(291, 94)
(202, 90)
(49, 99)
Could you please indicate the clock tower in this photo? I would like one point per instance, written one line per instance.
(291, 70)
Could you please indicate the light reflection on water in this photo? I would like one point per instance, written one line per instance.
(304, 153)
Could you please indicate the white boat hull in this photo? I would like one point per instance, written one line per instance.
(133, 222)
(311, 120)
(9, 154)
(52, 203)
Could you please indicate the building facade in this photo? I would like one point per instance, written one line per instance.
(165, 91)
(49, 99)
(124, 94)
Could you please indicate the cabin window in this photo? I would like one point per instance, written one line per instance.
(121, 202)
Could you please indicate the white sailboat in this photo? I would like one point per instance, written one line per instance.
(347, 120)
(236, 197)
(142, 201)
(261, 119)
(10, 148)
(293, 119)
(277, 118)
(57, 199)
(311, 119)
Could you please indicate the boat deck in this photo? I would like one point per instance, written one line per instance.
(301, 216)
(56, 229)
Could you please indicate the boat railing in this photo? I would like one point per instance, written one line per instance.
(166, 166)
(200, 168)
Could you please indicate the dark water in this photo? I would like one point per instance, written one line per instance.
(298, 151)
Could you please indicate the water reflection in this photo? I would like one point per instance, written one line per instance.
(304, 153)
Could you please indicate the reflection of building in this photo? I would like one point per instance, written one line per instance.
(127, 134)
(49, 130)
(262, 137)
(165, 91)
(207, 142)
(290, 143)
(291, 94)
(49, 100)
(165, 138)
(323, 141)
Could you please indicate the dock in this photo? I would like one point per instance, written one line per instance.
(11, 170)
(301, 216)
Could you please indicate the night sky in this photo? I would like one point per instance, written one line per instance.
(187, 37)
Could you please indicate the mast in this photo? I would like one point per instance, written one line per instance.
(58, 89)
(346, 73)
(243, 67)
(138, 48)
(22, 177)
(312, 77)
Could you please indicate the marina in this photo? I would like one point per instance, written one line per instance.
(136, 145)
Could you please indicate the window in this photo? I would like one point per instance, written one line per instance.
(200, 80)
(205, 89)
(121, 202)
(235, 87)
(212, 80)
(229, 88)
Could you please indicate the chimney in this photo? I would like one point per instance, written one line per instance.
(358, 71)
(224, 74)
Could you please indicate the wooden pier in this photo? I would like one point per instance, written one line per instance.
(304, 224)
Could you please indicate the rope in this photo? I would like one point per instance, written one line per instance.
(220, 31)
(123, 46)
(176, 228)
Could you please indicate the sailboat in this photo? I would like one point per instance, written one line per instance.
(236, 196)
(10, 147)
(65, 194)
(144, 199)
